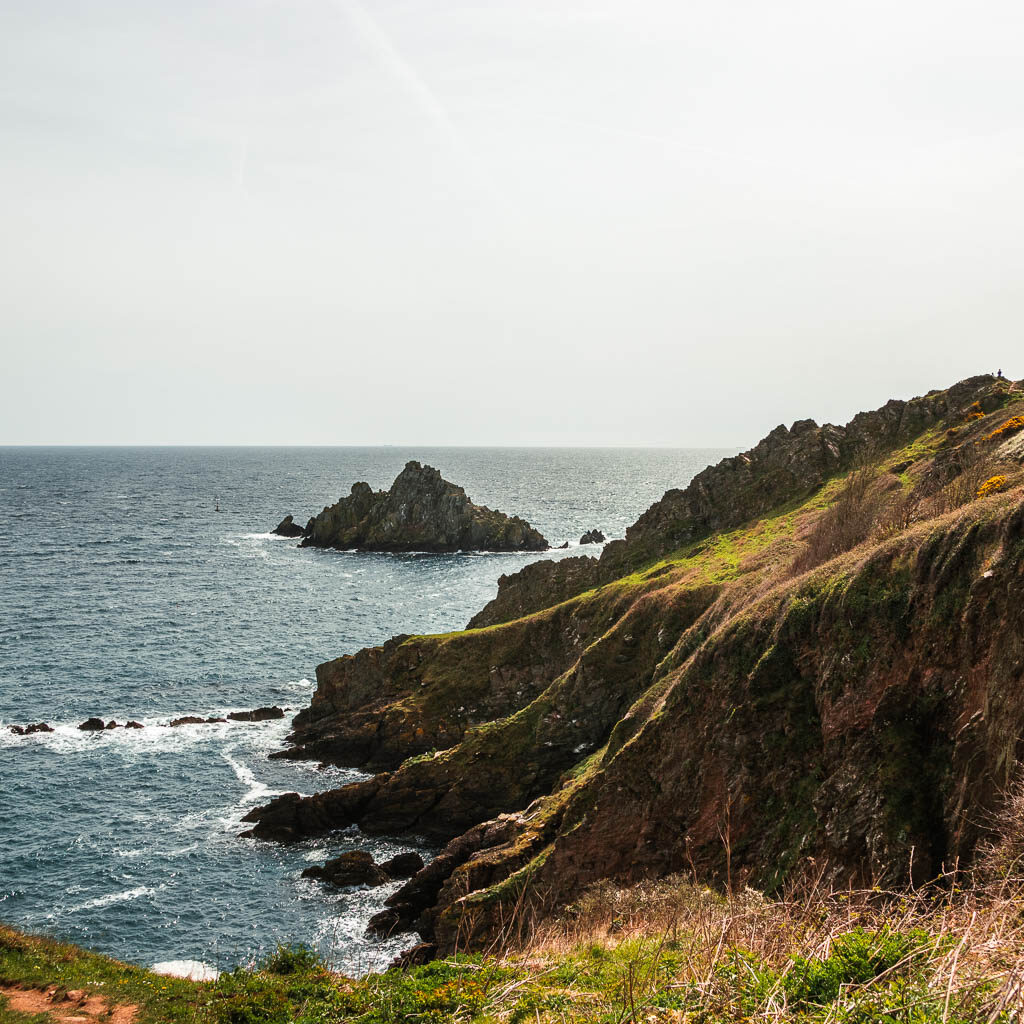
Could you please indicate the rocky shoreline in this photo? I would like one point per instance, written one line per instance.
(616, 717)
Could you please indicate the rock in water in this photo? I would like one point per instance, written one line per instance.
(402, 865)
(258, 715)
(421, 512)
(592, 537)
(28, 730)
(357, 867)
(288, 528)
(92, 725)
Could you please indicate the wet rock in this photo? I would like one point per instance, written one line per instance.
(593, 537)
(288, 528)
(92, 725)
(402, 865)
(388, 921)
(188, 720)
(412, 907)
(563, 546)
(111, 725)
(357, 867)
(415, 956)
(421, 512)
(28, 730)
(257, 715)
(133, 725)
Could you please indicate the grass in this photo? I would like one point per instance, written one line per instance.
(658, 951)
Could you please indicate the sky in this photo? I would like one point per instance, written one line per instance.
(501, 222)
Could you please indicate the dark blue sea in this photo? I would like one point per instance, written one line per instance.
(125, 594)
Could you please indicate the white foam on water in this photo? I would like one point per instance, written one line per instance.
(194, 970)
(257, 790)
(157, 735)
(113, 897)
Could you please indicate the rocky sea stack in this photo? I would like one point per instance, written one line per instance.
(812, 652)
(421, 512)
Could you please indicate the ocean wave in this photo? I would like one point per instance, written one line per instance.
(194, 970)
(156, 736)
(114, 897)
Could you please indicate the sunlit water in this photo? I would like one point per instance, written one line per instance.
(124, 594)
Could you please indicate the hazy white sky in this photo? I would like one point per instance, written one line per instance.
(512, 222)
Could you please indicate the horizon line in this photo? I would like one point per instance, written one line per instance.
(346, 444)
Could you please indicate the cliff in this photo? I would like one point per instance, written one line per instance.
(421, 512)
(813, 651)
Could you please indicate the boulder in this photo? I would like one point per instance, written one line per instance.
(92, 725)
(133, 725)
(288, 528)
(593, 537)
(402, 865)
(421, 512)
(357, 867)
(415, 956)
(257, 715)
(111, 725)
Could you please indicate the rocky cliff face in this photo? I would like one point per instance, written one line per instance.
(421, 512)
(753, 692)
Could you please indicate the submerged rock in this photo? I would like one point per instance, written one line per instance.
(357, 867)
(421, 512)
(593, 537)
(288, 528)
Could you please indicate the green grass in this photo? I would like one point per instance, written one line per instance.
(881, 976)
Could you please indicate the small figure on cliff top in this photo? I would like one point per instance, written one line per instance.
(999, 373)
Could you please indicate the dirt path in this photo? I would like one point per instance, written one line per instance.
(77, 1007)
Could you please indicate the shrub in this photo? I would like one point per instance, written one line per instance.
(993, 485)
(1011, 426)
(292, 959)
(247, 998)
(844, 525)
(856, 958)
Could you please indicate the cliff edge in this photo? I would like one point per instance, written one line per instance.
(812, 651)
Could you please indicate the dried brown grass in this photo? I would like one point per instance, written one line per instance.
(973, 957)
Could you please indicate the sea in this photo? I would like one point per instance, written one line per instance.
(143, 583)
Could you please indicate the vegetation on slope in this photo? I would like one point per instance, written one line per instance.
(671, 951)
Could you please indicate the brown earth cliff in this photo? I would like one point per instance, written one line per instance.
(814, 650)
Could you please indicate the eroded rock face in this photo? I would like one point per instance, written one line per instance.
(867, 713)
(421, 512)
(788, 464)
(538, 585)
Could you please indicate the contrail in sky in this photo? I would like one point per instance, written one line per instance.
(379, 43)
